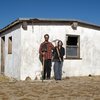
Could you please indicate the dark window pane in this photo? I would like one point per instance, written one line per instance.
(72, 40)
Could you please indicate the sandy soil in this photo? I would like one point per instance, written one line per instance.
(75, 88)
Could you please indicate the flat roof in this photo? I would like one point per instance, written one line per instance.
(41, 20)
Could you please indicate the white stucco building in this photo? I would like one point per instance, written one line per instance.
(20, 41)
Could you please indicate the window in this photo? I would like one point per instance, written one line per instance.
(72, 46)
(10, 45)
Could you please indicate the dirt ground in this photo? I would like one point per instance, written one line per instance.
(74, 88)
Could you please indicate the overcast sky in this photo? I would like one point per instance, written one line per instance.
(85, 10)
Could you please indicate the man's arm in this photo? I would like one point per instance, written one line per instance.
(52, 46)
(40, 49)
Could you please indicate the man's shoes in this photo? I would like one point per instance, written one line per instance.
(48, 78)
(58, 79)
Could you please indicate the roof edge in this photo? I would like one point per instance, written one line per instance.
(19, 20)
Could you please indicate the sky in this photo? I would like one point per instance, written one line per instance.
(85, 10)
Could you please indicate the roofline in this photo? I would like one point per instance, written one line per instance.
(36, 20)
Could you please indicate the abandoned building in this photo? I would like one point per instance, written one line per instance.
(20, 41)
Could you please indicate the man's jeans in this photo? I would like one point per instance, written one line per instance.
(47, 69)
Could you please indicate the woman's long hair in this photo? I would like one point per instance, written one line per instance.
(59, 42)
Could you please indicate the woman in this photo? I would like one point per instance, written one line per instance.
(58, 53)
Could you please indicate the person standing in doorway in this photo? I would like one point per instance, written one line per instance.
(45, 52)
(58, 53)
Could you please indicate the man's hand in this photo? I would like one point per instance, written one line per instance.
(43, 53)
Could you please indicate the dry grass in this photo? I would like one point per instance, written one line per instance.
(74, 88)
(4, 78)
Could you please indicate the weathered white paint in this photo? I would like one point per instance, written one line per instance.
(0, 54)
(13, 61)
(89, 52)
(24, 61)
(89, 39)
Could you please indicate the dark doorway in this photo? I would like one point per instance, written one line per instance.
(2, 54)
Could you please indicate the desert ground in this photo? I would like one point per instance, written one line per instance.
(70, 88)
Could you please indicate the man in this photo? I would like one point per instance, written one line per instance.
(45, 52)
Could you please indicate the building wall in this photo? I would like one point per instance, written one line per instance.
(89, 50)
(0, 54)
(30, 64)
(24, 60)
(31, 39)
(13, 61)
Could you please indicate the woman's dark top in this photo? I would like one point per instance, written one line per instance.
(55, 54)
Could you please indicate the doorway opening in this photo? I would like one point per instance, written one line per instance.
(2, 54)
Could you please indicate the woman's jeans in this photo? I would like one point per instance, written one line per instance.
(58, 70)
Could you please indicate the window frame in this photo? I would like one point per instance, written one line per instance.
(78, 47)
